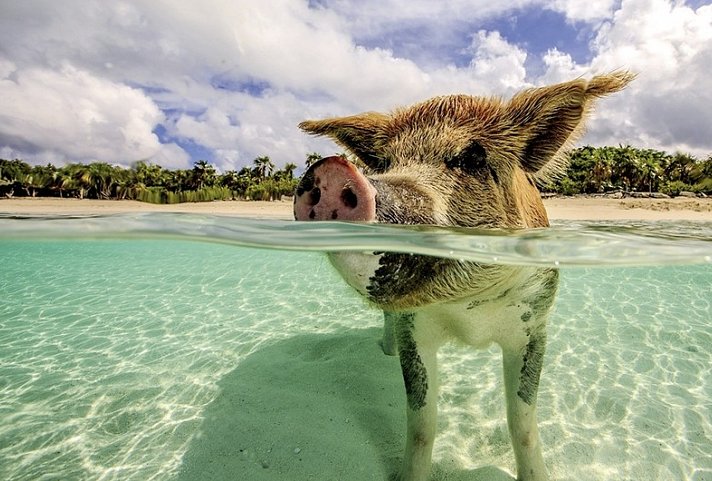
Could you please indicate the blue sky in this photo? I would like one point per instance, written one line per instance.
(228, 80)
(533, 28)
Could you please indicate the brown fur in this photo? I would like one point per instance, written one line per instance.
(472, 162)
(525, 139)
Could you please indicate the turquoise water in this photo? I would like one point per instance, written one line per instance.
(168, 347)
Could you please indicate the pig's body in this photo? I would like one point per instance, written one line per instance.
(459, 161)
(508, 307)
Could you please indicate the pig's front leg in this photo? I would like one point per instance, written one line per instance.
(388, 343)
(522, 368)
(417, 349)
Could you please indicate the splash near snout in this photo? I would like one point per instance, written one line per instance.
(334, 189)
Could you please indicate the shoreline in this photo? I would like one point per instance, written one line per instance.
(558, 208)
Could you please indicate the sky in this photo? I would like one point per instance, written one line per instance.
(226, 81)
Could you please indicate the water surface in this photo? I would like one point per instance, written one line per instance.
(177, 347)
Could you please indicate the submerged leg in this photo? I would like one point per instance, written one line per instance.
(388, 344)
(417, 348)
(522, 368)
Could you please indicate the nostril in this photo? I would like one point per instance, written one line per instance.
(348, 197)
(315, 196)
(333, 189)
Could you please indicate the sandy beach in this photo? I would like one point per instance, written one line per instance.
(559, 208)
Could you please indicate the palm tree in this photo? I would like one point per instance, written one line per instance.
(13, 174)
(651, 167)
(579, 172)
(237, 182)
(627, 172)
(602, 170)
(289, 170)
(124, 182)
(178, 180)
(40, 178)
(311, 158)
(204, 175)
(80, 178)
(263, 167)
(149, 174)
(287, 173)
(680, 167)
(104, 178)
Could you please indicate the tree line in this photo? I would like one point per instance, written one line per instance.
(149, 182)
(591, 170)
(624, 168)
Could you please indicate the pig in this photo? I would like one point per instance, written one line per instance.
(461, 161)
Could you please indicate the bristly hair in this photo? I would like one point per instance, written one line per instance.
(535, 128)
(599, 86)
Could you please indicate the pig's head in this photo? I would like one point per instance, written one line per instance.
(454, 160)
(450, 161)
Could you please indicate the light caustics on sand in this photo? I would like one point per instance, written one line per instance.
(130, 351)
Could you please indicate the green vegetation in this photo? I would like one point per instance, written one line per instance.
(148, 182)
(626, 169)
(591, 170)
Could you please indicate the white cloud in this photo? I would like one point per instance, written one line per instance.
(314, 69)
(243, 127)
(653, 35)
(213, 128)
(170, 156)
(560, 67)
(495, 58)
(7, 68)
(583, 10)
(92, 79)
(667, 107)
(373, 18)
(240, 127)
(71, 114)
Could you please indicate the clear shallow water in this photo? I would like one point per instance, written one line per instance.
(130, 351)
(566, 244)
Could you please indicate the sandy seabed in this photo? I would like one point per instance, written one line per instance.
(559, 208)
(265, 380)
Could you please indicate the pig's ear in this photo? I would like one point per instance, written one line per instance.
(545, 121)
(361, 134)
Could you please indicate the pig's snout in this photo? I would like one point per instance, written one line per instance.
(333, 189)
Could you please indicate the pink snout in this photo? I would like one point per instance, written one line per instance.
(333, 189)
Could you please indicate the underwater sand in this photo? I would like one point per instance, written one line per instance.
(140, 358)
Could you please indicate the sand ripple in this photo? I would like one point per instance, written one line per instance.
(121, 360)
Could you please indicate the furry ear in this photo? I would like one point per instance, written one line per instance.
(361, 134)
(546, 120)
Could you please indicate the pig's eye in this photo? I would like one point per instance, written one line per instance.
(470, 159)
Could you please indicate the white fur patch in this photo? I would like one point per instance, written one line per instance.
(356, 268)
